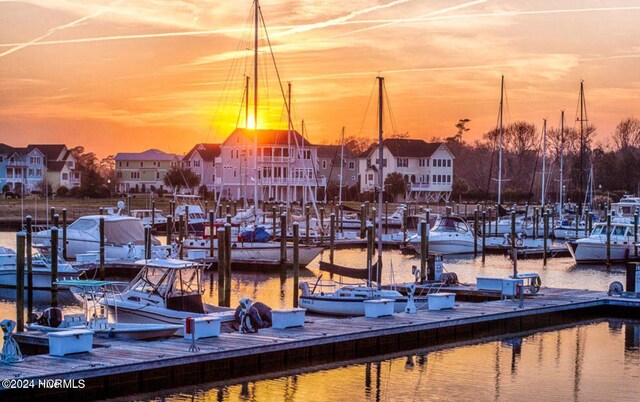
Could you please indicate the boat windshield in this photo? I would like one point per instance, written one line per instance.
(597, 231)
(153, 280)
(450, 225)
(187, 282)
(618, 231)
(83, 225)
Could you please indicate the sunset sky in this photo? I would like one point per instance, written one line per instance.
(131, 75)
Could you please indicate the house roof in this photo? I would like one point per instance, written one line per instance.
(406, 148)
(208, 152)
(333, 152)
(51, 151)
(55, 166)
(271, 137)
(148, 155)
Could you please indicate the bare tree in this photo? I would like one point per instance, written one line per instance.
(627, 134)
(521, 137)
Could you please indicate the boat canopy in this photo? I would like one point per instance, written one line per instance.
(450, 224)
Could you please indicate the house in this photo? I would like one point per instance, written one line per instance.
(285, 166)
(143, 171)
(203, 160)
(427, 168)
(329, 157)
(36, 165)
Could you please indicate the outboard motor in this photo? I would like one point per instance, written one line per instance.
(51, 317)
(304, 288)
(252, 316)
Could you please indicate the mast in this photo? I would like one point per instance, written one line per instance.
(246, 103)
(500, 151)
(561, 163)
(544, 157)
(341, 167)
(255, 106)
(581, 146)
(380, 177)
(289, 146)
(304, 166)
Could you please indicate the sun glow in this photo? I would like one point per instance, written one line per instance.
(251, 123)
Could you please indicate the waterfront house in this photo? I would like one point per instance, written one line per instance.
(286, 166)
(427, 168)
(329, 157)
(203, 160)
(143, 171)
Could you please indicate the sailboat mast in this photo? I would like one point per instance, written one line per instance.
(255, 106)
(500, 151)
(246, 103)
(561, 163)
(341, 168)
(288, 143)
(581, 145)
(380, 176)
(544, 158)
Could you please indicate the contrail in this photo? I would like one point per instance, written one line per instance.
(429, 14)
(55, 29)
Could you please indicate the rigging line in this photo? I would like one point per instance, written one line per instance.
(493, 154)
(366, 110)
(241, 107)
(391, 115)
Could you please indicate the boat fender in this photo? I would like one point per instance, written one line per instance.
(304, 288)
(615, 289)
(252, 316)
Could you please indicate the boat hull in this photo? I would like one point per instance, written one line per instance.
(41, 278)
(257, 251)
(594, 253)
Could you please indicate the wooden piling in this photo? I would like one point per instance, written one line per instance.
(153, 214)
(228, 210)
(54, 267)
(475, 233)
(307, 220)
(169, 230)
(497, 219)
(535, 223)
(363, 217)
(332, 236)
(608, 238)
(29, 257)
(635, 232)
(545, 237)
(513, 228)
(180, 235)
(423, 251)
(64, 234)
(370, 245)
(221, 266)
(186, 223)
(488, 229)
(229, 219)
(128, 204)
(484, 235)
(283, 240)
(147, 242)
(20, 245)
(386, 217)
(52, 213)
(227, 264)
(404, 225)
(296, 261)
(211, 236)
(101, 234)
(321, 226)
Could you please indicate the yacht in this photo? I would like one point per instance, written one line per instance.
(627, 205)
(593, 249)
(164, 291)
(449, 235)
(197, 217)
(41, 270)
(150, 217)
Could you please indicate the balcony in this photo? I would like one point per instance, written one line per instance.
(417, 187)
(15, 163)
(275, 159)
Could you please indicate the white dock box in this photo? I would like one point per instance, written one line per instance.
(378, 307)
(196, 254)
(509, 286)
(485, 283)
(72, 341)
(204, 327)
(440, 301)
(288, 318)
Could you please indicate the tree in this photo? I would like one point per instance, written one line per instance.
(93, 184)
(395, 185)
(461, 126)
(357, 145)
(179, 177)
(627, 134)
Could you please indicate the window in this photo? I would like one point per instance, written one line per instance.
(34, 160)
(213, 178)
(30, 172)
(427, 162)
(434, 178)
(384, 162)
(127, 164)
(352, 165)
(448, 178)
(141, 164)
(400, 162)
(448, 162)
(370, 177)
(135, 175)
(196, 163)
(421, 162)
(324, 164)
(119, 175)
(65, 176)
(234, 173)
(157, 175)
(38, 172)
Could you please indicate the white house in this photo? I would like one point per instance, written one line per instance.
(427, 168)
(203, 160)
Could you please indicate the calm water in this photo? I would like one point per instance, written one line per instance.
(590, 362)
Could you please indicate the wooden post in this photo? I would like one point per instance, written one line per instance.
(332, 236)
(608, 238)
(283, 240)
(186, 223)
(229, 219)
(29, 256)
(545, 237)
(488, 229)
(363, 217)
(497, 219)
(153, 214)
(64, 234)
(321, 226)
(296, 261)
(56, 220)
(169, 230)
(128, 204)
(484, 240)
(52, 214)
(423, 251)
(235, 207)
(211, 236)
(228, 210)
(404, 225)
(147, 242)
(102, 273)
(180, 235)
(227, 264)
(369, 231)
(635, 232)
(535, 223)
(475, 233)
(514, 250)
(20, 243)
(54, 267)
(221, 267)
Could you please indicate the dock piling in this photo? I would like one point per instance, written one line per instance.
(363, 217)
(321, 226)
(635, 232)
(545, 237)
(283, 240)
(484, 237)
(369, 231)
(147, 242)
(186, 223)
(29, 256)
(102, 273)
(64, 234)
(20, 243)
(221, 267)
(153, 214)
(211, 238)
(608, 238)
(475, 232)
(296, 261)
(424, 240)
(227, 264)
(307, 217)
(180, 235)
(404, 225)
(54, 267)
(169, 230)
(386, 217)
(332, 236)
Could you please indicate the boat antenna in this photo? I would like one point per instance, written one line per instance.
(380, 175)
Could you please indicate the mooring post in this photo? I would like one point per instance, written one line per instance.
(228, 210)
(513, 229)
(635, 232)
(101, 234)
(296, 261)
(211, 235)
(545, 237)
(180, 235)
(64, 234)
(332, 236)
(169, 230)
(56, 220)
(147, 242)
(228, 219)
(424, 240)
(54, 267)
(153, 214)
(363, 217)
(221, 267)
(497, 219)
(235, 207)
(488, 229)
(321, 226)
(227, 264)
(52, 212)
(307, 220)
(608, 238)
(370, 242)
(20, 243)
(29, 255)
(535, 223)
(283, 240)
(128, 204)
(475, 232)
(484, 219)
(186, 223)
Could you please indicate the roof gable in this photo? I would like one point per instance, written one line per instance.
(406, 148)
(148, 155)
(269, 137)
(208, 152)
(53, 152)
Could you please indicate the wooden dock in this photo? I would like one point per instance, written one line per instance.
(116, 368)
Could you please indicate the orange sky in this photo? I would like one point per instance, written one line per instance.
(130, 75)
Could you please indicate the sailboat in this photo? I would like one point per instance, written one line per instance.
(349, 300)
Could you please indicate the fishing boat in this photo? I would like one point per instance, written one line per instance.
(593, 249)
(449, 235)
(90, 291)
(41, 270)
(165, 291)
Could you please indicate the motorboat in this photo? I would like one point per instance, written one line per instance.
(196, 218)
(449, 235)
(566, 230)
(165, 291)
(41, 269)
(150, 217)
(593, 249)
(91, 291)
(627, 206)
(123, 235)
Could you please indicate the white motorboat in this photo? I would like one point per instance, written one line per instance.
(627, 206)
(91, 291)
(122, 235)
(41, 270)
(593, 249)
(151, 217)
(197, 217)
(165, 291)
(449, 235)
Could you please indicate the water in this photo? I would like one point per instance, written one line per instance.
(590, 362)
(277, 291)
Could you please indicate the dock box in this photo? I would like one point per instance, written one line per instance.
(87, 257)
(440, 301)
(486, 283)
(196, 254)
(71, 341)
(509, 287)
(288, 318)
(204, 327)
(378, 307)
